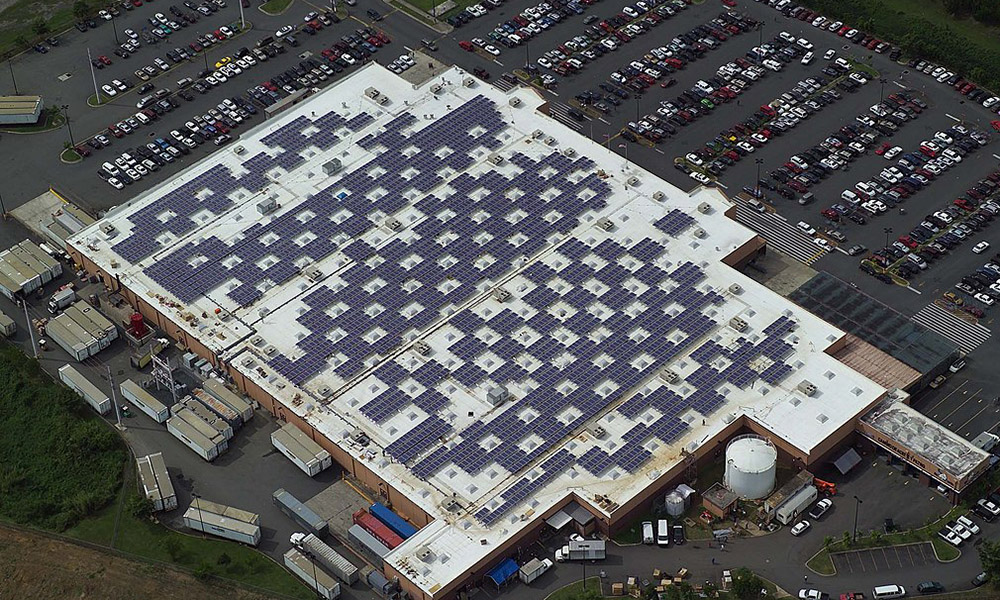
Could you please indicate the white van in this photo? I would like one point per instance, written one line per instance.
(647, 532)
(884, 592)
(662, 533)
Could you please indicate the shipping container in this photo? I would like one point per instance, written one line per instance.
(202, 412)
(223, 521)
(218, 407)
(155, 482)
(81, 385)
(229, 398)
(71, 337)
(205, 447)
(368, 544)
(299, 512)
(325, 585)
(377, 528)
(396, 523)
(298, 448)
(328, 558)
(144, 401)
(7, 325)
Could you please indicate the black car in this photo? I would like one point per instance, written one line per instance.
(40, 48)
(678, 534)
(82, 26)
(374, 14)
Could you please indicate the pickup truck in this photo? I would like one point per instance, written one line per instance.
(821, 508)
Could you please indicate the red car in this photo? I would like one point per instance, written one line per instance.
(881, 149)
(797, 186)
(729, 2)
(908, 241)
(831, 214)
(113, 130)
(383, 37)
(104, 59)
(82, 151)
(964, 204)
(467, 46)
(136, 3)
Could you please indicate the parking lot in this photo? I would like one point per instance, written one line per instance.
(881, 560)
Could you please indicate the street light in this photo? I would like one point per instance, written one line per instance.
(312, 561)
(881, 88)
(758, 162)
(115, 29)
(65, 111)
(14, 81)
(887, 231)
(858, 502)
(197, 506)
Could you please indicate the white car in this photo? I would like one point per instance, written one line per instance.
(950, 537)
(892, 153)
(115, 183)
(969, 524)
(960, 531)
(800, 528)
(823, 243)
(110, 91)
(694, 159)
(805, 594)
(700, 177)
(989, 507)
(491, 49)
(988, 301)
(544, 62)
(282, 32)
(952, 154)
(808, 58)
(981, 247)
(806, 228)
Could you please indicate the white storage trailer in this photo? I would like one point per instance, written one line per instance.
(324, 584)
(229, 398)
(155, 482)
(7, 325)
(794, 506)
(208, 447)
(71, 337)
(81, 385)
(199, 410)
(327, 557)
(93, 322)
(223, 521)
(298, 448)
(299, 512)
(144, 401)
(218, 407)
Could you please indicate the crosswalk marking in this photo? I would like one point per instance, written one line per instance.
(967, 335)
(780, 234)
(503, 85)
(559, 112)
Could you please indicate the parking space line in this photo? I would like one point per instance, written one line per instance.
(976, 393)
(972, 418)
(953, 118)
(949, 395)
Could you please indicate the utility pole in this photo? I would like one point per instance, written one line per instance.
(857, 504)
(65, 108)
(14, 81)
(114, 400)
(93, 75)
(758, 162)
(243, 23)
(27, 319)
(115, 29)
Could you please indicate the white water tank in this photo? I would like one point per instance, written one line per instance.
(751, 461)
(675, 504)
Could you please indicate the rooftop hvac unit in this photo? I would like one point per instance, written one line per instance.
(332, 166)
(324, 392)
(425, 554)
(240, 150)
(421, 347)
(360, 437)
(267, 206)
(468, 82)
(497, 395)
(597, 431)
(501, 294)
(806, 387)
(537, 134)
(670, 376)
(451, 505)
(256, 340)
(699, 233)
(436, 88)
(738, 324)
(659, 195)
(569, 152)
(605, 223)
(632, 180)
(735, 289)
(550, 141)
(393, 223)
(496, 159)
(704, 208)
(372, 93)
(314, 274)
(109, 230)
(270, 350)
(515, 102)
(246, 362)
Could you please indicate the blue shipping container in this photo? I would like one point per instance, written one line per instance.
(391, 520)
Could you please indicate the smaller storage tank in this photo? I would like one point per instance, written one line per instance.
(751, 463)
(675, 504)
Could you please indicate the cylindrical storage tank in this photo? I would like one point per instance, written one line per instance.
(751, 462)
(675, 504)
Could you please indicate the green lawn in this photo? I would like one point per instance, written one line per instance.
(275, 7)
(203, 555)
(576, 590)
(428, 6)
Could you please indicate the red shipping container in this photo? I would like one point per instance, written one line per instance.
(377, 528)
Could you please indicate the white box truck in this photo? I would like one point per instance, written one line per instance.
(144, 401)
(533, 569)
(223, 521)
(302, 451)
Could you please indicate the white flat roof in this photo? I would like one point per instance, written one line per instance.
(368, 302)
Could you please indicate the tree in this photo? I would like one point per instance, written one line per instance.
(40, 27)
(989, 556)
(827, 541)
(875, 535)
(846, 538)
(80, 9)
(746, 584)
(140, 507)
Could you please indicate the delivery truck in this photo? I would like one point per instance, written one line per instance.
(327, 557)
(533, 569)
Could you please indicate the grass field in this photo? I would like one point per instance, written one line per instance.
(275, 7)
(202, 555)
(428, 6)
(933, 10)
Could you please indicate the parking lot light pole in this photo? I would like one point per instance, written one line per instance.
(93, 75)
(758, 162)
(243, 23)
(115, 29)
(881, 89)
(887, 231)
(14, 81)
(857, 503)
(65, 111)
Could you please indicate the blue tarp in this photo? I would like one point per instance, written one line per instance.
(504, 571)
